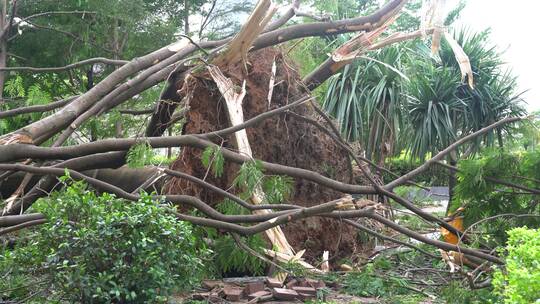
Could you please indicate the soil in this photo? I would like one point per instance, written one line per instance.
(282, 139)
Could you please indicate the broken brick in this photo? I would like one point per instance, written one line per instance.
(253, 287)
(272, 283)
(233, 294)
(259, 294)
(306, 290)
(285, 294)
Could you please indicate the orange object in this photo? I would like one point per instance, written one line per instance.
(456, 222)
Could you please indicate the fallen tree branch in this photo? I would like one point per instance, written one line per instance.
(13, 220)
(494, 180)
(103, 60)
(442, 245)
(22, 226)
(450, 148)
(37, 108)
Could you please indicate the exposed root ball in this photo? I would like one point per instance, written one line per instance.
(282, 139)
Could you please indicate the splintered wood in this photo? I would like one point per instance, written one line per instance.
(241, 43)
(233, 99)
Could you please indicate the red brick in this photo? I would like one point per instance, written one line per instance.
(233, 293)
(285, 294)
(271, 282)
(306, 290)
(253, 287)
(259, 294)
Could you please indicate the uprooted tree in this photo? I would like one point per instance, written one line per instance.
(242, 100)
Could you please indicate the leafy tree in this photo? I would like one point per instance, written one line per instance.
(100, 249)
(479, 191)
(366, 98)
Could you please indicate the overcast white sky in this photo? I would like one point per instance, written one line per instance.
(515, 26)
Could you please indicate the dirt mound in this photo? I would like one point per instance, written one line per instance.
(283, 139)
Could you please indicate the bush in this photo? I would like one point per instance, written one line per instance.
(520, 283)
(483, 198)
(101, 249)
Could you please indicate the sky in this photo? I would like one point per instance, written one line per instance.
(514, 27)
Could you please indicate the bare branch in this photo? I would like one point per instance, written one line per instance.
(69, 66)
(495, 180)
(5, 30)
(22, 226)
(438, 244)
(37, 108)
(443, 153)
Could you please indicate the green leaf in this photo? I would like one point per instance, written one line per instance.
(212, 156)
(139, 155)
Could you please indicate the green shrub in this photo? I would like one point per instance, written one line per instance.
(483, 198)
(520, 283)
(101, 249)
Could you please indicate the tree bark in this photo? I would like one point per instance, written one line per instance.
(186, 17)
(3, 45)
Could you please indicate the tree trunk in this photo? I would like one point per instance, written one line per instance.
(452, 180)
(3, 46)
(186, 17)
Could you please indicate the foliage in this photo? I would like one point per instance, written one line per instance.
(403, 164)
(365, 98)
(431, 107)
(526, 135)
(232, 259)
(277, 188)
(228, 258)
(443, 108)
(520, 283)
(458, 293)
(22, 96)
(162, 160)
(101, 249)
(139, 155)
(483, 198)
(249, 177)
(369, 282)
(116, 29)
(212, 156)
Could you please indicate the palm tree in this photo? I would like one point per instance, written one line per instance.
(426, 111)
(366, 98)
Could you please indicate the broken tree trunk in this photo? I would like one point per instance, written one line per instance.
(233, 102)
(236, 51)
